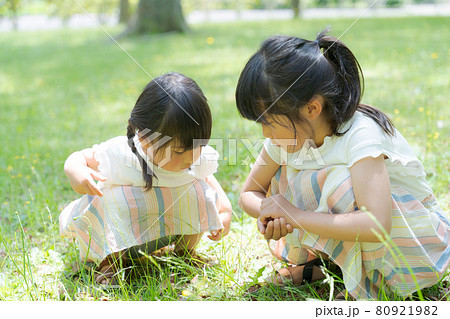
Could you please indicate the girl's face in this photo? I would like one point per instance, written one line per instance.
(282, 134)
(172, 158)
(178, 160)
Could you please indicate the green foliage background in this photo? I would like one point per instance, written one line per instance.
(65, 90)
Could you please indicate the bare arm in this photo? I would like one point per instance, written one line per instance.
(81, 168)
(255, 191)
(257, 184)
(225, 204)
(371, 187)
(225, 209)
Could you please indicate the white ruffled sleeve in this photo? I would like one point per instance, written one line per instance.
(118, 163)
(404, 168)
(206, 164)
(367, 140)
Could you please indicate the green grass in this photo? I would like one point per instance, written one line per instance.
(65, 90)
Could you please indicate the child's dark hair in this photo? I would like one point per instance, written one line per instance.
(287, 72)
(172, 105)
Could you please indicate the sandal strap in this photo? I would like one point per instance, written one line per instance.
(309, 267)
(292, 275)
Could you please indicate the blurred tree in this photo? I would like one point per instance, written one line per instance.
(124, 11)
(296, 8)
(157, 16)
(393, 3)
(10, 8)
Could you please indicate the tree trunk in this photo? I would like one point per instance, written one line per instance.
(157, 16)
(296, 8)
(124, 11)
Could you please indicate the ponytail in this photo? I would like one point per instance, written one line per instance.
(131, 132)
(350, 82)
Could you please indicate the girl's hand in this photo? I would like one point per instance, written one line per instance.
(274, 229)
(81, 169)
(276, 218)
(81, 179)
(216, 235)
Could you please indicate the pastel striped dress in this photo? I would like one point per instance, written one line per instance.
(417, 253)
(127, 215)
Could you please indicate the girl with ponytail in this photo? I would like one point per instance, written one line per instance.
(156, 183)
(335, 182)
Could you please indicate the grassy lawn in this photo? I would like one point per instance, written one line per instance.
(65, 90)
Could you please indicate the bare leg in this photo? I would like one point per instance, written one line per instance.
(187, 243)
(185, 248)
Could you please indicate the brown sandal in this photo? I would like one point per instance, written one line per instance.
(291, 275)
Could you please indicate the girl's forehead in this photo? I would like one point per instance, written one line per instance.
(173, 144)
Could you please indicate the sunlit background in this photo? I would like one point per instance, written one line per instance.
(71, 71)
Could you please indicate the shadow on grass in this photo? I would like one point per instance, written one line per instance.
(154, 278)
(174, 279)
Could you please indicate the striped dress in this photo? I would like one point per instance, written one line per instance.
(415, 256)
(317, 179)
(127, 215)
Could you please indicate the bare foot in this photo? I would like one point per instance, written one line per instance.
(344, 295)
(108, 268)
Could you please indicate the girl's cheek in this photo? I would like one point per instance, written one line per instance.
(193, 155)
(175, 159)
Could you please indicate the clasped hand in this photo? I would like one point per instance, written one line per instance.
(276, 218)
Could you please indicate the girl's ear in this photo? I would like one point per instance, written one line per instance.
(313, 109)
